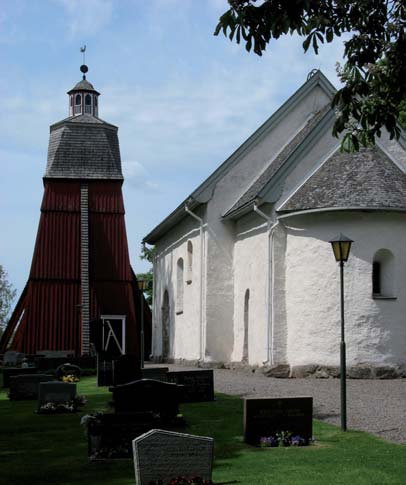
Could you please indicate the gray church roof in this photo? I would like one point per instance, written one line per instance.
(84, 147)
(367, 179)
(253, 191)
(83, 85)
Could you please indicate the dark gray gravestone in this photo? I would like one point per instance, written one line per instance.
(56, 353)
(162, 455)
(198, 384)
(147, 395)
(9, 372)
(126, 368)
(58, 392)
(26, 386)
(266, 417)
(156, 373)
(110, 436)
(13, 358)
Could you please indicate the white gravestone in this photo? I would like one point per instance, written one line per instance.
(163, 455)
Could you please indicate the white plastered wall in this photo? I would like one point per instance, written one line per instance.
(184, 326)
(375, 329)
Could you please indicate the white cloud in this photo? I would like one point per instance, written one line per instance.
(137, 176)
(87, 18)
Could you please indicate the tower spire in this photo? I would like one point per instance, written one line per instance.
(83, 67)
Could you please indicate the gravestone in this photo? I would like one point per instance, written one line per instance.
(198, 384)
(26, 386)
(47, 363)
(56, 353)
(156, 373)
(126, 368)
(13, 358)
(265, 417)
(110, 436)
(9, 372)
(57, 392)
(68, 370)
(147, 395)
(160, 456)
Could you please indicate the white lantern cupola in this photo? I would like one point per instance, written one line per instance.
(83, 98)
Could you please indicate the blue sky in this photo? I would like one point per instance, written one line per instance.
(183, 100)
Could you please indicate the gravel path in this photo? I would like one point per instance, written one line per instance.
(375, 406)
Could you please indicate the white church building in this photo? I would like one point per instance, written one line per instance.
(244, 273)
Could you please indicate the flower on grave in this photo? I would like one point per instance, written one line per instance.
(268, 442)
(284, 438)
(297, 441)
(70, 378)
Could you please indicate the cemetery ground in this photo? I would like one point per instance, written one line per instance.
(52, 449)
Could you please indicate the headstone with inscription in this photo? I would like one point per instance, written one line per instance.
(147, 395)
(56, 392)
(26, 386)
(198, 384)
(266, 417)
(160, 456)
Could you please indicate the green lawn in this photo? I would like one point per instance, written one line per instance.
(39, 450)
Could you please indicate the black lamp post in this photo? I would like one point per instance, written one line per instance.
(142, 286)
(341, 247)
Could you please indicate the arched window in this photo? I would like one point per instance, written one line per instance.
(179, 286)
(78, 104)
(88, 103)
(383, 274)
(246, 322)
(165, 326)
(189, 262)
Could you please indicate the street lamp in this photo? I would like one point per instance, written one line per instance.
(142, 286)
(341, 247)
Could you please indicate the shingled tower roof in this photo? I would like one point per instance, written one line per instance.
(83, 146)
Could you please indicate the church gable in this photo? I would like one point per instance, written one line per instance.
(364, 180)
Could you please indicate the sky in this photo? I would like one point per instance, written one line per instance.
(183, 100)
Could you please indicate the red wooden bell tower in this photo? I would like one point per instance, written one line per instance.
(80, 268)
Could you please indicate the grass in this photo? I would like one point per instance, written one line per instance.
(40, 449)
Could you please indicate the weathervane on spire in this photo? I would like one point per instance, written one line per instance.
(83, 67)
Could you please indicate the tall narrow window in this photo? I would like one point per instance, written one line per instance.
(179, 286)
(383, 274)
(88, 104)
(78, 104)
(246, 322)
(189, 262)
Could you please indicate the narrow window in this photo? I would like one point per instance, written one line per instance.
(189, 262)
(88, 103)
(383, 274)
(376, 278)
(179, 286)
(78, 104)
(246, 322)
(165, 326)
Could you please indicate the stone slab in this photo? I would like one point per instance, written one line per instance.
(26, 386)
(162, 455)
(126, 368)
(198, 384)
(264, 417)
(147, 395)
(13, 358)
(56, 392)
(155, 373)
(9, 372)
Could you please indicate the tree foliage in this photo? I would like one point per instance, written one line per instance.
(7, 295)
(374, 72)
(148, 255)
